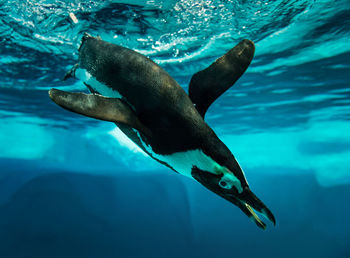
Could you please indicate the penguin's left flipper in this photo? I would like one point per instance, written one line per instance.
(99, 107)
(207, 85)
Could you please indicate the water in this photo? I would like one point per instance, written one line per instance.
(74, 187)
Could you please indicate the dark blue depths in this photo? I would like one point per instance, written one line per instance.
(65, 214)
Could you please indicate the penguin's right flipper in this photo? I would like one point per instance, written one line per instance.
(99, 107)
(207, 85)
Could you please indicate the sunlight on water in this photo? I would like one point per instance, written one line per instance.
(24, 138)
(319, 149)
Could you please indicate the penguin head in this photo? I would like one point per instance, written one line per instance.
(236, 192)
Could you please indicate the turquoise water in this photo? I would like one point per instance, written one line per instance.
(71, 186)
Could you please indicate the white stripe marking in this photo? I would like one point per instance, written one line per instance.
(183, 162)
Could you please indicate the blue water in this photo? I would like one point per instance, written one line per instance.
(71, 186)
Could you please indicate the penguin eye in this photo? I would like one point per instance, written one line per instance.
(222, 183)
(225, 184)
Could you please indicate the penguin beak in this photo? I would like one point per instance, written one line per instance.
(246, 200)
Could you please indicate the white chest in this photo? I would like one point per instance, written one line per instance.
(102, 88)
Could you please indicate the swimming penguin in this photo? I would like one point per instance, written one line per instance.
(154, 111)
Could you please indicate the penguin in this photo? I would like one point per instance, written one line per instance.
(155, 112)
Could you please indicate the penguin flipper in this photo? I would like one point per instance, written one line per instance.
(99, 107)
(207, 85)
